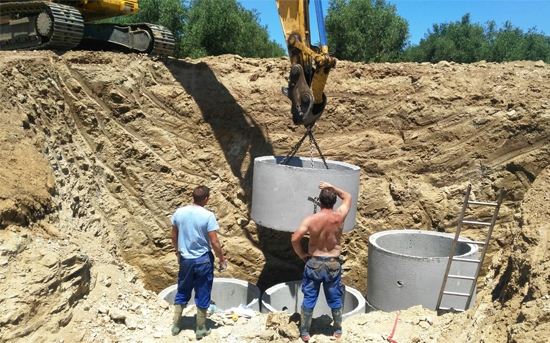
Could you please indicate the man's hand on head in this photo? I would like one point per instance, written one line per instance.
(324, 184)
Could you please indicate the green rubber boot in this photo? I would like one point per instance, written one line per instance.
(178, 309)
(337, 319)
(201, 324)
(305, 324)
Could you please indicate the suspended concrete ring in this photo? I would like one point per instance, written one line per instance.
(282, 194)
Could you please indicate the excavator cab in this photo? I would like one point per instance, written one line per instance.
(310, 65)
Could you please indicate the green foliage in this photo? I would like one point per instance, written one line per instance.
(216, 27)
(365, 30)
(464, 42)
(507, 45)
(461, 42)
(536, 46)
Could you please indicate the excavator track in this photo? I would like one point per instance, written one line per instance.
(128, 38)
(37, 25)
(49, 26)
(163, 40)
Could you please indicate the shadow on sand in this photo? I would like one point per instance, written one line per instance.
(239, 135)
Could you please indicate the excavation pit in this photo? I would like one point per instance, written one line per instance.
(226, 293)
(406, 268)
(282, 194)
(288, 297)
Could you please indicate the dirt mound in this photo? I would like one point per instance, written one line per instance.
(98, 149)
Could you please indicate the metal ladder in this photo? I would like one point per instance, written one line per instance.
(458, 240)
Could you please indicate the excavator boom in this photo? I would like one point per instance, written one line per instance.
(310, 65)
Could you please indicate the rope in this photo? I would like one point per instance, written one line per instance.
(390, 337)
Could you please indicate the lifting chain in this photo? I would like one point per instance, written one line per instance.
(315, 202)
(312, 142)
(311, 149)
(312, 139)
(294, 150)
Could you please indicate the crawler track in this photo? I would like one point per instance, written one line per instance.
(67, 30)
(163, 40)
(44, 25)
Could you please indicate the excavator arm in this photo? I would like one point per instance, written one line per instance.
(310, 65)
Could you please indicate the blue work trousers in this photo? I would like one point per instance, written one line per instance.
(326, 271)
(195, 274)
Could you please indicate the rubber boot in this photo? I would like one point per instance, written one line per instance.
(305, 324)
(201, 324)
(178, 309)
(337, 319)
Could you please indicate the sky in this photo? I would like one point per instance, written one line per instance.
(422, 14)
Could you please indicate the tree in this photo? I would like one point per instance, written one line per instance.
(511, 44)
(216, 27)
(464, 42)
(507, 44)
(537, 46)
(365, 30)
(459, 41)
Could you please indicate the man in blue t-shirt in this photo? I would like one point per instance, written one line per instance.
(193, 232)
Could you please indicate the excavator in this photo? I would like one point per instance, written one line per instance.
(310, 65)
(68, 24)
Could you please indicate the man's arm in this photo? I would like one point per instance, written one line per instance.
(345, 206)
(216, 245)
(175, 238)
(296, 239)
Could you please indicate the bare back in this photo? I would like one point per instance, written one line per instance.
(325, 227)
(325, 232)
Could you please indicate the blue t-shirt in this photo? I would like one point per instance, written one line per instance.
(193, 223)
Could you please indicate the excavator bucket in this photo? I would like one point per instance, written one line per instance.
(309, 65)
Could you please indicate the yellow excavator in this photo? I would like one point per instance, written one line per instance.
(67, 24)
(310, 65)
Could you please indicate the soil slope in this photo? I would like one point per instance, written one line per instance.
(98, 150)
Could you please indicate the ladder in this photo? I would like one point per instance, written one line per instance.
(458, 240)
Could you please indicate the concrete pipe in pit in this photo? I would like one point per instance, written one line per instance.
(288, 297)
(406, 268)
(226, 293)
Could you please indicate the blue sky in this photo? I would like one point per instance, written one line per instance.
(422, 14)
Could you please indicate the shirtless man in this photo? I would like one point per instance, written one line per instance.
(322, 258)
